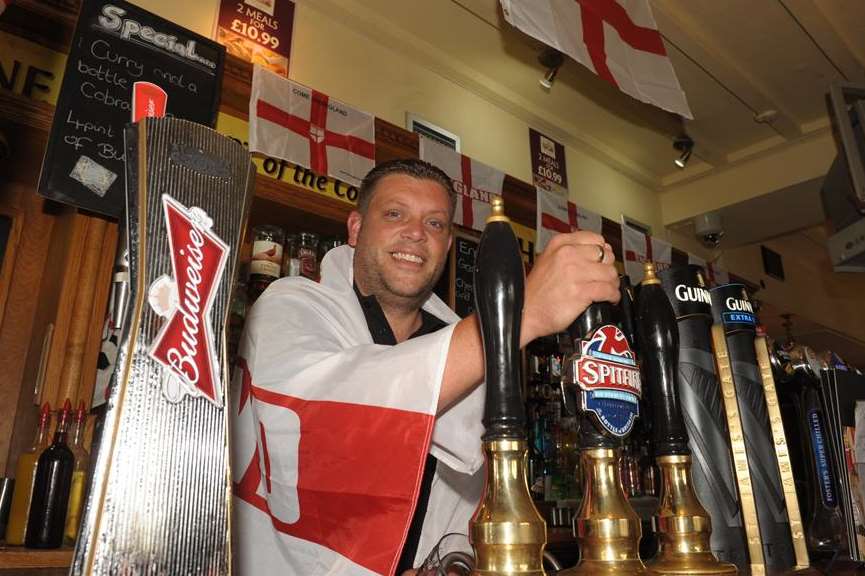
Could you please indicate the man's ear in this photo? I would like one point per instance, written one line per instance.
(355, 219)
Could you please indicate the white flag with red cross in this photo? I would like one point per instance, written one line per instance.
(556, 214)
(290, 121)
(714, 274)
(616, 39)
(475, 182)
(639, 248)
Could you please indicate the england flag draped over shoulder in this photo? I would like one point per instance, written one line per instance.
(640, 248)
(715, 276)
(290, 121)
(475, 182)
(616, 39)
(556, 214)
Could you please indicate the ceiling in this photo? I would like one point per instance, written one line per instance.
(734, 59)
(738, 61)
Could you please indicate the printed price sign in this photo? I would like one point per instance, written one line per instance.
(548, 162)
(258, 31)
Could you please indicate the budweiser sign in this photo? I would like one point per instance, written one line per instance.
(186, 345)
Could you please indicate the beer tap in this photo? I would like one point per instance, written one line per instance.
(684, 526)
(507, 533)
(601, 384)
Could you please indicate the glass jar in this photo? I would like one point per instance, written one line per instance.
(291, 263)
(266, 263)
(306, 251)
(327, 245)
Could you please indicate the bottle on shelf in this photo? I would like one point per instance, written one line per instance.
(266, 263)
(79, 478)
(16, 528)
(52, 483)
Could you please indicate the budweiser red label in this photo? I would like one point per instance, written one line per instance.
(186, 345)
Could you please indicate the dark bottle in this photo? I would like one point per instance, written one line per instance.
(51, 487)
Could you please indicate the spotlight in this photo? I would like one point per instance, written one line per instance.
(552, 60)
(685, 145)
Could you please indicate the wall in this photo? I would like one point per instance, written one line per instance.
(343, 62)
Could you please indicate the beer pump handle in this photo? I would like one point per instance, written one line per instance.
(596, 315)
(658, 337)
(499, 291)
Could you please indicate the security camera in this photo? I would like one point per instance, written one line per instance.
(708, 229)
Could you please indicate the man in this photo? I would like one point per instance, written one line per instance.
(357, 440)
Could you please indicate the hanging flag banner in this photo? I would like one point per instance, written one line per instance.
(548, 162)
(640, 248)
(258, 31)
(556, 214)
(715, 275)
(292, 122)
(475, 182)
(616, 39)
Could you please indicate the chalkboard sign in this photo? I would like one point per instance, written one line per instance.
(462, 289)
(115, 45)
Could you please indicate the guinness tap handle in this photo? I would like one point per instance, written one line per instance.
(658, 336)
(499, 287)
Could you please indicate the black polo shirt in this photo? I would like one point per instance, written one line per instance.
(381, 333)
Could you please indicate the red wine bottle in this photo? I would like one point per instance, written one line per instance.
(51, 486)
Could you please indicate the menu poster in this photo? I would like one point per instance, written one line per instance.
(115, 46)
(462, 273)
(548, 162)
(258, 31)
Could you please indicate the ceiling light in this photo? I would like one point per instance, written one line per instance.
(549, 78)
(552, 60)
(685, 146)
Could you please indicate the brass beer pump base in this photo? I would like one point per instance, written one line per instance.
(507, 532)
(684, 526)
(608, 529)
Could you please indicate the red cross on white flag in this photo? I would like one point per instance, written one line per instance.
(290, 121)
(557, 214)
(475, 182)
(616, 39)
(640, 248)
(715, 275)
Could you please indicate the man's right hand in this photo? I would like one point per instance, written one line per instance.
(567, 277)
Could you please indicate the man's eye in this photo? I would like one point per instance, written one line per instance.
(436, 224)
(392, 214)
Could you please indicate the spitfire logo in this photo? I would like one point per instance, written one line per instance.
(609, 379)
(186, 345)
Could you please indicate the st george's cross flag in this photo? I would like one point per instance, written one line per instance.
(304, 126)
(556, 214)
(475, 182)
(639, 248)
(714, 274)
(616, 39)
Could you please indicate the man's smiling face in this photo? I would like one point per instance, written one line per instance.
(402, 241)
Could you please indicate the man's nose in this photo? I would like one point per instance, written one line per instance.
(414, 229)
